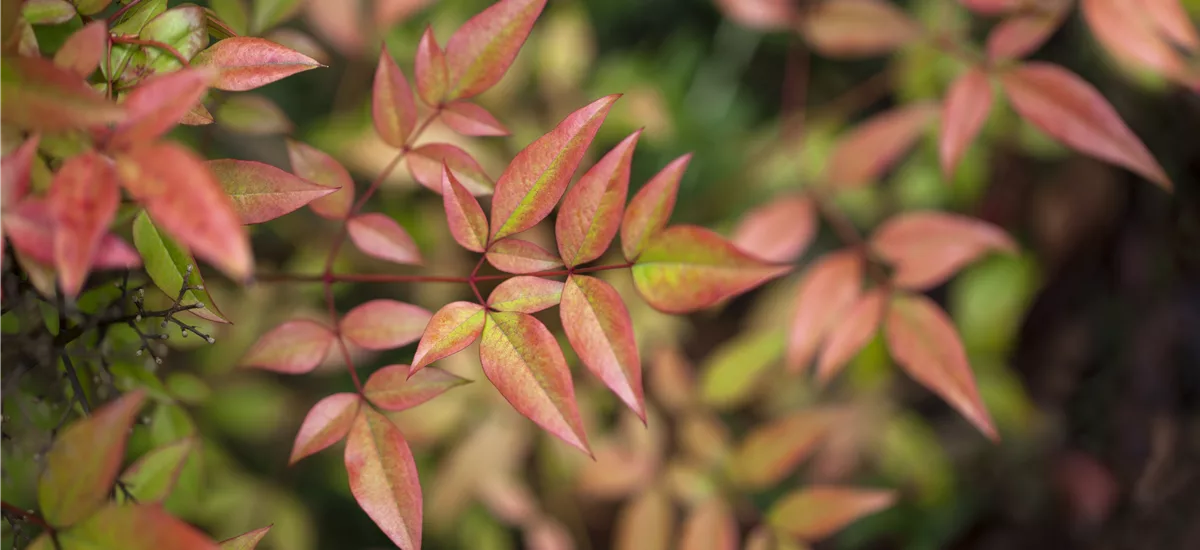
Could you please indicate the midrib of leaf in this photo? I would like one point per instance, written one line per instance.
(392, 489)
(537, 184)
(593, 316)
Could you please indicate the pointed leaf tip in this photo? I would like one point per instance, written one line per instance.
(485, 46)
(590, 214)
(383, 478)
(246, 541)
(599, 328)
(965, 110)
(246, 62)
(650, 209)
(451, 329)
(468, 224)
(393, 108)
(262, 192)
(326, 423)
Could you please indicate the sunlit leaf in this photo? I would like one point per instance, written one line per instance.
(863, 154)
(391, 388)
(380, 236)
(383, 478)
(470, 119)
(925, 247)
(482, 49)
(40, 96)
(590, 214)
(710, 525)
(393, 108)
(966, 108)
(646, 522)
(385, 324)
(468, 224)
(252, 114)
(295, 347)
(651, 207)
(773, 450)
(778, 231)
(135, 527)
(154, 475)
(600, 331)
(82, 51)
(857, 28)
(828, 289)
(816, 512)
(525, 294)
(450, 330)
(245, 62)
(318, 167)
(514, 255)
(158, 104)
(167, 263)
(326, 423)
(852, 332)
(246, 541)
(262, 192)
(429, 68)
(1021, 35)
(425, 165)
(83, 200)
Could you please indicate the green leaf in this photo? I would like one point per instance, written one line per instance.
(167, 263)
(154, 475)
(185, 28)
(268, 13)
(816, 512)
(735, 371)
(233, 13)
(131, 23)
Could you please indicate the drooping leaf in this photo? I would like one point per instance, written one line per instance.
(599, 328)
(468, 224)
(524, 294)
(383, 478)
(924, 342)
(830, 287)
(482, 49)
(152, 478)
(816, 512)
(246, 62)
(84, 460)
(858, 28)
(1125, 29)
(82, 51)
(326, 423)
(514, 255)
(1072, 111)
(14, 172)
(185, 200)
(966, 108)
(252, 114)
(393, 108)
(425, 165)
(246, 541)
(522, 359)
(47, 12)
(651, 207)
(135, 527)
(429, 68)
(380, 236)
(83, 200)
(710, 525)
(646, 522)
(392, 389)
(535, 180)
(863, 154)
(167, 263)
(385, 324)
(590, 214)
(295, 347)
(687, 268)
(262, 192)
(269, 13)
(1021, 35)
(772, 451)
(778, 231)
(450, 330)
(852, 332)
(40, 96)
(926, 247)
(470, 119)
(318, 167)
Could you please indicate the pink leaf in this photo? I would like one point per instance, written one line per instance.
(863, 154)
(468, 224)
(926, 248)
(482, 49)
(113, 253)
(246, 541)
(1020, 35)
(325, 424)
(524, 294)
(1125, 29)
(245, 62)
(318, 167)
(262, 192)
(30, 227)
(857, 28)
(82, 51)
(830, 287)
(40, 96)
(650, 209)
(295, 347)
(134, 527)
(392, 105)
(851, 333)
(519, 256)
(522, 359)
(430, 69)
(816, 512)
(383, 478)
(392, 388)
(15, 168)
(536, 179)
(710, 525)
(779, 231)
(380, 236)
(966, 108)
(425, 165)
(450, 330)
(763, 15)
(599, 328)
(1173, 21)
(590, 214)
(83, 201)
(470, 119)
(1072, 111)
(340, 24)
(384, 324)
(158, 104)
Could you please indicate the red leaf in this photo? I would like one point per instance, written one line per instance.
(829, 288)
(325, 424)
(470, 119)
(855, 28)
(650, 209)
(1172, 20)
(245, 62)
(392, 388)
(262, 192)
(966, 108)
(392, 105)
(430, 70)
(482, 49)
(536, 179)
(425, 165)
(598, 326)
(135, 527)
(851, 333)
(295, 347)
(924, 342)
(710, 526)
(590, 214)
(1125, 29)
(314, 165)
(41, 96)
(763, 15)
(772, 451)
(1072, 111)
(113, 253)
(30, 227)
(383, 478)
(1020, 35)
(185, 200)
(158, 104)
(385, 324)
(524, 294)
(687, 268)
(82, 51)
(816, 512)
(14, 172)
(380, 236)
(926, 248)
(246, 541)
(466, 219)
(779, 231)
(450, 330)
(513, 255)
(83, 462)
(862, 155)
(83, 201)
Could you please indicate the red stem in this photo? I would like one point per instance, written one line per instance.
(122, 11)
(383, 278)
(153, 44)
(27, 516)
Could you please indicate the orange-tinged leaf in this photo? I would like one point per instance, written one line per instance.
(40, 96)
(425, 165)
(246, 541)
(816, 512)
(197, 116)
(764, 15)
(380, 236)
(966, 108)
(600, 331)
(84, 460)
(158, 104)
(771, 452)
(393, 108)
(385, 324)
(482, 49)
(645, 522)
(590, 214)
(82, 51)
(524, 294)
(262, 192)
(295, 347)
(391, 388)
(852, 332)
(537, 177)
(651, 207)
(687, 268)
(778, 231)
(154, 475)
(924, 342)
(1068, 109)
(326, 423)
(468, 224)
(383, 478)
(857, 28)
(318, 167)
(926, 247)
(862, 155)
(83, 201)
(470, 119)
(522, 359)
(1173, 21)
(14, 172)
(1021, 35)
(429, 68)
(186, 201)
(513, 255)
(246, 62)
(450, 330)
(830, 287)
(135, 527)
(710, 526)
(1126, 31)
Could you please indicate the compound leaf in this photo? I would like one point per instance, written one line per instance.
(468, 224)
(425, 165)
(650, 209)
(470, 119)
(513, 255)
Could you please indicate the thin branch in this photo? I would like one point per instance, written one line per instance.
(474, 278)
(75, 384)
(383, 278)
(118, 39)
(117, 15)
(27, 516)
